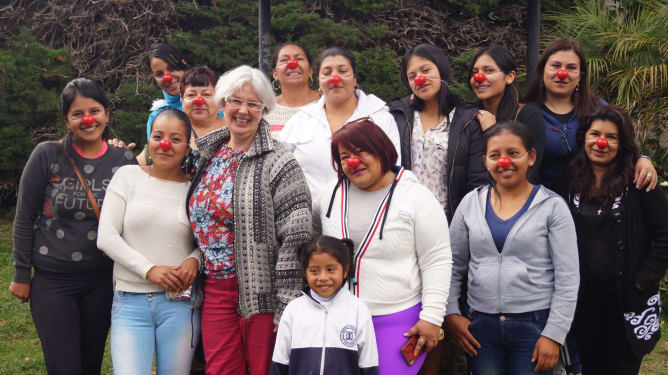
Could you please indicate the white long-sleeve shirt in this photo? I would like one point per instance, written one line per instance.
(144, 224)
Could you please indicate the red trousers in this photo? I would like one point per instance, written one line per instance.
(234, 345)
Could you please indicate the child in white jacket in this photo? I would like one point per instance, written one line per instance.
(327, 330)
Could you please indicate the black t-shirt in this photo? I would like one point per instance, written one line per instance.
(563, 118)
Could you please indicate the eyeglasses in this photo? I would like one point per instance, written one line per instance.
(573, 72)
(252, 106)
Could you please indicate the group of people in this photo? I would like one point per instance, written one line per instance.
(323, 231)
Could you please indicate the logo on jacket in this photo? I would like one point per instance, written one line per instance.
(349, 336)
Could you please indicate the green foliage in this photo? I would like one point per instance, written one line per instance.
(474, 7)
(133, 101)
(367, 7)
(378, 73)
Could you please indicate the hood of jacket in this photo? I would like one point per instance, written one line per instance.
(367, 104)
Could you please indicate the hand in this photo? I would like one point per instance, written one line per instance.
(166, 277)
(20, 291)
(458, 326)
(486, 119)
(545, 354)
(120, 144)
(645, 174)
(275, 328)
(187, 272)
(428, 333)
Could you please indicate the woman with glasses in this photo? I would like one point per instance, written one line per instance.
(561, 89)
(250, 210)
(309, 132)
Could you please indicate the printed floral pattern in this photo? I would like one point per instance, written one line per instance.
(429, 154)
(646, 323)
(212, 216)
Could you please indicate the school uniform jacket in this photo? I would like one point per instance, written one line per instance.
(314, 339)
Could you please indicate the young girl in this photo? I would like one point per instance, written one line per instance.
(145, 230)
(327, 330)
(516, 243)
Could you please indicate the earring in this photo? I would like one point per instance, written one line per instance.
(276, 85)
(577, 87)
(410, 101)
(310, 81)
(357, 86)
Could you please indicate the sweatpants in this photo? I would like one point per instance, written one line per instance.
(72, 314)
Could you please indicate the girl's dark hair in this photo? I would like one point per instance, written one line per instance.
(515, 128)
(363, 135)
(168, 54)
(584, 100)
(199, 76)
(620, 172)
(446, 100)
(334, 51)
(341, 249)
(277, 50)
(501, 56)
(88, 89)
(179, 116)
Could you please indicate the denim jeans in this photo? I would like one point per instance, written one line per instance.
(148, 324)
(507, 342)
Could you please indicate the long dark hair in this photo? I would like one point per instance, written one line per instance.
(180, 116)
(341, 249)
(584, 100)
(88, 89)
(168, 54)
(446, 100)
(277, 50)
(620, 172)
(501, 56)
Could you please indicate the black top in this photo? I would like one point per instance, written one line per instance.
(532, 117)
(561, 118)
(55, 228)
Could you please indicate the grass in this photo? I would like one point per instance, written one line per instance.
(21, 353)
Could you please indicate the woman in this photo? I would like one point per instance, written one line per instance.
(516, 243)
(145, 230)
(292, 75)
(250, 210)
(309, 132)
(561, 89)
(62, 187)
(403, 261)
(441, 140)
(623, 245)
(492, 73)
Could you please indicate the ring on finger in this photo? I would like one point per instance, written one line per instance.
(649, 175)
(422, 340)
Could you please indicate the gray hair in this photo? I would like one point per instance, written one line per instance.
(234, 79)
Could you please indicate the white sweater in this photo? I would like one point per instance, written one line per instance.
(309, 136)
(144, 224)
(413, 261)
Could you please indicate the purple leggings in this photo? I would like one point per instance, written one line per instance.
(390, 338)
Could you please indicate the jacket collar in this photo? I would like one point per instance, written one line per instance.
(262, 143)
(542, 195)
(366, 106)
(342, 293)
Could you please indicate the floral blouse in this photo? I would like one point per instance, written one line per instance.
(212, 216)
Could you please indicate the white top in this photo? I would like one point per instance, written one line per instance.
(144, 224)
(309, 136)
(412, 262)
(279, 117)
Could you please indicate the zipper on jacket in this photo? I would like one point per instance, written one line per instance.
(324, 344)
(499, 282)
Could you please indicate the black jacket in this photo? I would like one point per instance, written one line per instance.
(465, 165)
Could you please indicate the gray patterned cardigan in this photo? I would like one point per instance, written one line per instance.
(272, 219)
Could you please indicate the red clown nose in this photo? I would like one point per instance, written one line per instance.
(602, 143)
(503, 163)
(167, 78)
(199, 101)
(293, 63)
(88, 120)
(420, 80)
(334, 79)
(479, 77)
(166, 144)
(353, 162)
(562, 74)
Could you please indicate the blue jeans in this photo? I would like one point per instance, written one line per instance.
(507, 342)
(148, 324)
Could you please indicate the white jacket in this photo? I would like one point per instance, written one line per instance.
(309, 136)
(314, 339)
(411, 263)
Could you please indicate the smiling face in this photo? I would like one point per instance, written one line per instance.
(325, 274)
(296, 76)
(159, 68)
(345, 88)
(86, 133)
(199, 112)
(242, 120)
(419, 66)
(608, 130)
(506, 144)
(167, 127)
(562, 60)
(494, 84)
(367, 175)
